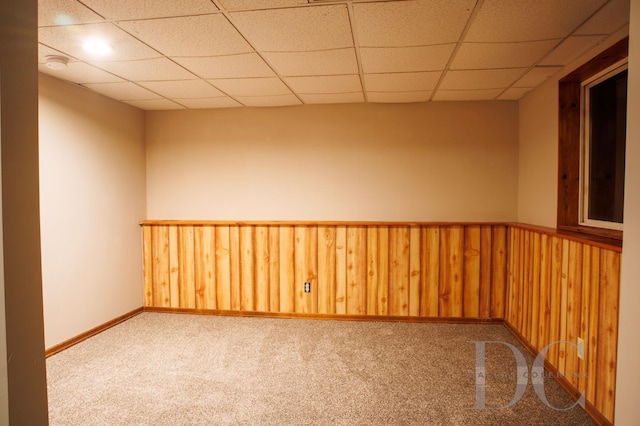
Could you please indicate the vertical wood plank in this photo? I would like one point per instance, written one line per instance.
(341, 270)
(486, 255)
(512, 265)
(415, 273)
(383, 271)
(399, 241)
(574, 298)
(261, 268)
(247, 278)
(608, 332)
(161, 291)
(524, 299)
(471, 287)
(535, 290)
(499, 261)
(356, 270)
(431, 272)
(174, 268)
(556, 296)
(584, 316)
(205, 268)
(287, 269)
(372, 270)
(545, 291)
(451, 261)
(302, 302)
(187, 264)
(594, 318)
(564, 294)
(223, 267)
(234, 267)
(306, 246)
(199, 266)
(311, 264)
(274, 268)
(327, 269)
(147, 259)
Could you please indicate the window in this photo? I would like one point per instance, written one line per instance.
(591, 174)
(603, 143)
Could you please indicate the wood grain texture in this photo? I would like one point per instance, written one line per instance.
(147, 262)
(456, 270)
(186, 267)
(561, 289)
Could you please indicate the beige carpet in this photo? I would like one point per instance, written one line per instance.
(168, 369)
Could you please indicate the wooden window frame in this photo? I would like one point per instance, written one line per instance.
(569, 129)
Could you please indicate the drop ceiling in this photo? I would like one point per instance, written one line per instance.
(169, 54)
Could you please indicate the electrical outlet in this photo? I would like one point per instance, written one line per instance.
(307, 287)
(580, 348)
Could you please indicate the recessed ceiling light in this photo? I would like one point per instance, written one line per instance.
(98, 47)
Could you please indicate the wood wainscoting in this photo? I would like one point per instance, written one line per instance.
(354, 269)
(546, 286)
(562, 288)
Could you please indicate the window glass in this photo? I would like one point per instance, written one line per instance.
(605, 138)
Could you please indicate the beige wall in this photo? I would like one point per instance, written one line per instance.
(538, 146)
(412, 162)
(23, 371)
(92, 189)
(537, 192)
(627, 408)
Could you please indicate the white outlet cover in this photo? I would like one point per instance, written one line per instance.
(580, 348)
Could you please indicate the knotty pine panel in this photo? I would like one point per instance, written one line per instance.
(561, 289)
(408, 270)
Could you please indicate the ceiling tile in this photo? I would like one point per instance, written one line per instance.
(266, 101)
(139, 9)
(402, 82)
(405, 59)
(513, 94)
(206, 35)
(609, 19)
(529, 20)
(81, 73)
(259, 4)
(466, 95)
(252, 87)
(296, 29)
(71, 38)
(44, 51)
(536, 76)
(146, 70)
(125, 91)
(155, 104)
(65, 12)
(399, 97)
(500, 55)
(480, 79)
(570, 49)
(201, 103)
(182, 88)
(327, 62)
(325, 84)
(332, 98)
(411, 23)
(238, 66)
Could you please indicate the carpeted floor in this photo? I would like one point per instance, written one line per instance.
(169, 369)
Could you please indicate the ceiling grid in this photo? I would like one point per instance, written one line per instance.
(233, 53)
